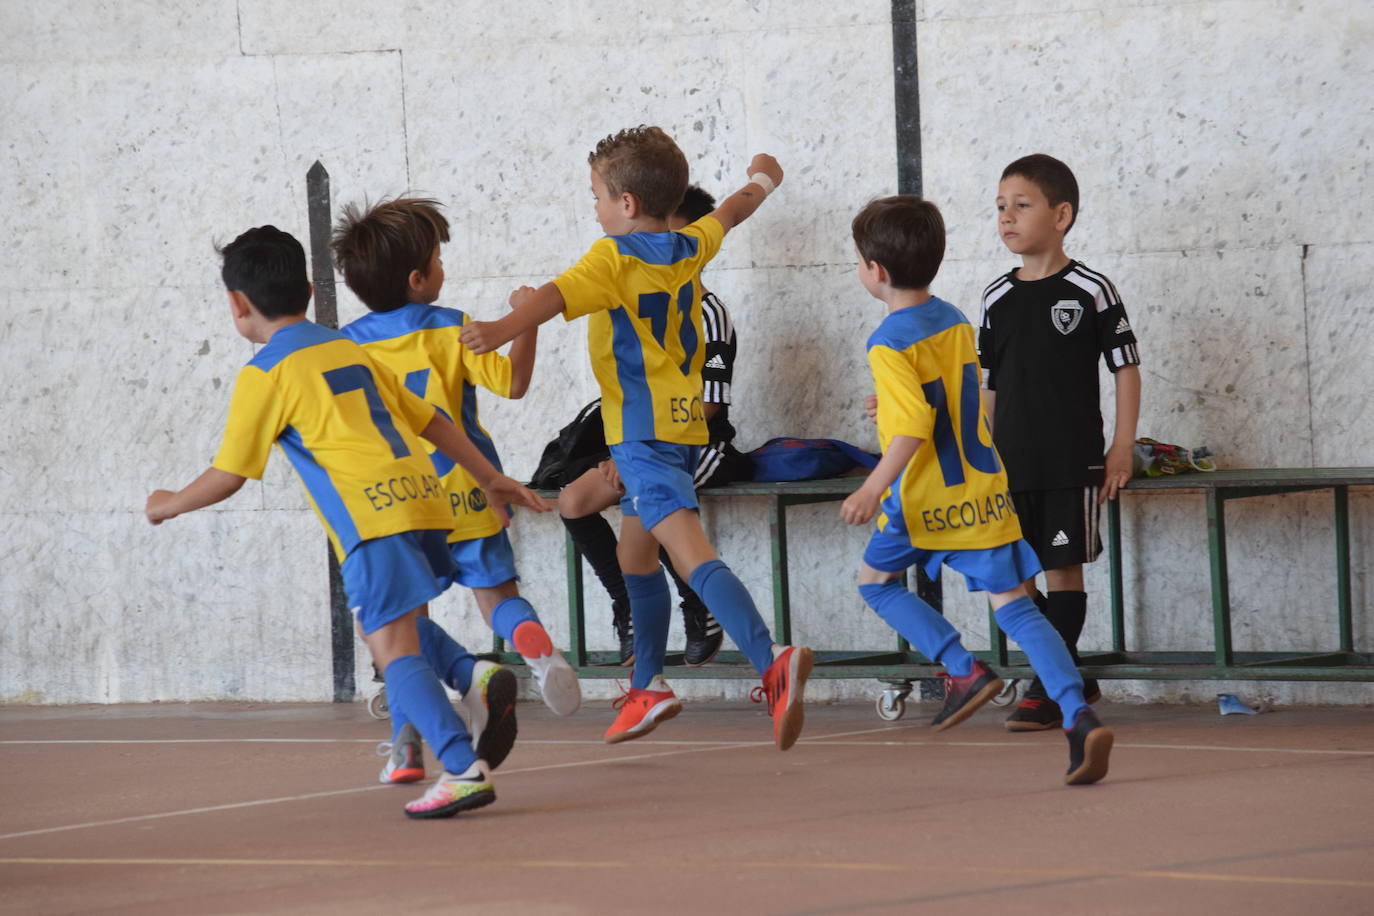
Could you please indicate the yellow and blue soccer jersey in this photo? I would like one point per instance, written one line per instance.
(644, 297)
(953, 493)
(348, 427)
(420, 344)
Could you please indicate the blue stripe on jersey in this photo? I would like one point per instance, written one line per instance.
(905, 327)
(416, 383)
(637, 412)
(478, 435)
(288, 340)
(687, 333)
(375, 326)
(661, 248)
(320, 486)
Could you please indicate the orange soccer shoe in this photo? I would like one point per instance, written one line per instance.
(641, 710)
(784, 684)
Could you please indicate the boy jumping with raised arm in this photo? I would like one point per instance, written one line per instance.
(939, 491)
(390, 258)
(350, 429)
(1045, 325)
(640, 287)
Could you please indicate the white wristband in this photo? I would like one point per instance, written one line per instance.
(763, 181)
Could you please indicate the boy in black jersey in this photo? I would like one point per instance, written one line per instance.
(1044, 326)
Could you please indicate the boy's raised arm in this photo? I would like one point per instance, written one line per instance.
(741, 205)
(534, 309)
(209, 488)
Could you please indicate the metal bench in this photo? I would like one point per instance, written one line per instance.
(898, 668)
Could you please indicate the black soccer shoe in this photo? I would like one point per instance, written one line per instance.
(1090, 745)
(704, 634)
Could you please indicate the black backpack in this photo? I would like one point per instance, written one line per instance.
(580, 445)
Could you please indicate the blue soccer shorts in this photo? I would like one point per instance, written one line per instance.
(991, 569)
(657, 478)
(386, 578)
(484, 562)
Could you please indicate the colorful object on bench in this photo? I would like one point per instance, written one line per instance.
(1231, 705)
(784, 458)
(1156, 459)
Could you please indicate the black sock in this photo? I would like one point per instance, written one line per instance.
(684, 591)
(1066, 612)
(594, 536)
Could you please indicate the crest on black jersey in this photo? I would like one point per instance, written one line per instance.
(1065, 315)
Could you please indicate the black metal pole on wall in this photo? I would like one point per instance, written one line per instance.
(908, 96)
(907, 92)
(327, 314)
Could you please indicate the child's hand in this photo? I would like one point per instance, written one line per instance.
(871, 407)
(860, 507)
(1119, 467)
(501, 489)
(479, 336)
(518, 297)
(767, 165)
(612, 474)
(501, 513)
(157, 508)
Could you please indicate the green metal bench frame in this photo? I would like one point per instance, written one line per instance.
(901, 664)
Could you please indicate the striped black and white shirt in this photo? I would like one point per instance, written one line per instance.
(716, 373)
(1039, 343)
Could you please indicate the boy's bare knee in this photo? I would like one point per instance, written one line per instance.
(870, 576)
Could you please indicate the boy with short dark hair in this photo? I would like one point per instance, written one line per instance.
(640, 287)
(1044, 327)
(390, 257)
(352, 431)
(939, 492)
(592, 484)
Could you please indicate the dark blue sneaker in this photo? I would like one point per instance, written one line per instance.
(1090, 745)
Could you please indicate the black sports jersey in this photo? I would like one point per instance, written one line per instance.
(1039, 343)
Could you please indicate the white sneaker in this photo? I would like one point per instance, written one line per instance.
(490, 707)
(557, 682)
(451, 794)
(405, 760)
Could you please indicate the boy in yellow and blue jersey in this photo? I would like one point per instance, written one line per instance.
(390, 258)
(353, 433)
(939, 492)
(640, 287)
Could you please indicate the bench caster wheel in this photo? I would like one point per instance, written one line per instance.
(891, 707)
(377, 707)
(1008, 694)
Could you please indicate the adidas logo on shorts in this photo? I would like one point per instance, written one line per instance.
(1123, 326)
(1060, 540)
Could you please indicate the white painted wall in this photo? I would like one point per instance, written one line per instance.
(1223, 149)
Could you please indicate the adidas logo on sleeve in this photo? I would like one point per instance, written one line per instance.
(1123, 326)
(715, 362)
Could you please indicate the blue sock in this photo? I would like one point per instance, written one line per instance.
(410, 682)
(452, 663)
(509, 614)
(650, 610)
(920, 624)
(1023, 622)
(728, 601)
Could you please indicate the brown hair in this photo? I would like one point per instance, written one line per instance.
(378, 247)
(645, 162)
(906, 235)
(1054, 179)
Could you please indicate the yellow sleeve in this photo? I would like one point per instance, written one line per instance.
(711, 233)
(256, 419)
(415, 410)
(902, 407)
(491, 370)
(590, 284)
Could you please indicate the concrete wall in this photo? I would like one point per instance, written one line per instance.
(1223, 149)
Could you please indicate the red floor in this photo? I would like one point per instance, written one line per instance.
(217, 808)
